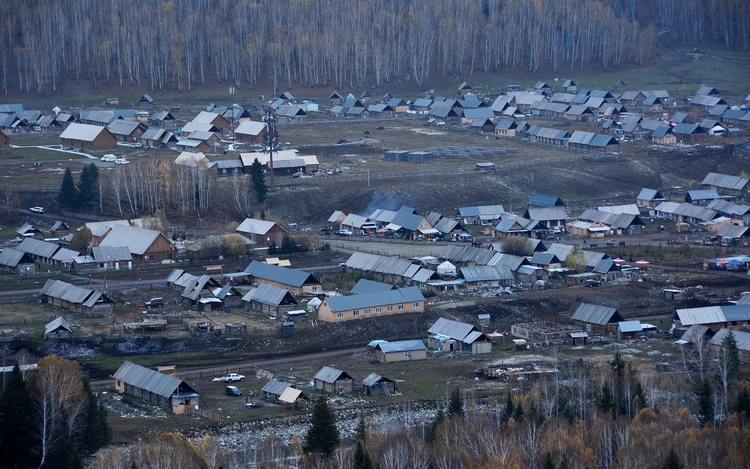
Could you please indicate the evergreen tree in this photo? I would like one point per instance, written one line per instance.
(362, 458)
(564, 463)
(432, 431)
(548, 462)
(16, 417)
(730, 353)
(288, 245)
(96, 433)
(518, 413)
(563, 407)
(322, 436)
(606, 400)
(87, 184)
(361, 432)
(455, 404)
(640, 394)
(258, 176)
(617, 364)
(68, 195)
(706, 403)
(509, 407)
(742, 401)
(272, 248)
(672, 461)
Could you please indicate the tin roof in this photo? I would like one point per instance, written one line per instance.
(295, 278)
(276, 387)
(371, 300)
(269, 295)
(150, 380)
(401, 346)
(596, 314)
(39, 248)
(365, 286)
(453, 329)
(84, 132)
(329, 374)
(137, 240)
(373, 379)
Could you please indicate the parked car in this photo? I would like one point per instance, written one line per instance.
(37, 209)
(109, 158)
(344, 233)
(121, 161)
(233, 391)
(593, 283)
(155, 302)
(231, 377)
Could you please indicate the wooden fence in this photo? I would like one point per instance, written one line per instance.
(204, 414)
(214, 372)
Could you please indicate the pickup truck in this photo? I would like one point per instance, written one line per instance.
(231, 377)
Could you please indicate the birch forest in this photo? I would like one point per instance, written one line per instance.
(183, 44)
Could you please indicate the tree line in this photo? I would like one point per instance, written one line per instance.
(285, 43)
(50, 417)
(607, 415)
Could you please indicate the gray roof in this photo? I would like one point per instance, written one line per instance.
(11, 257)
(371, 300)
(57, 323)
(68, 292)
(137, 240)
(484, 273)
(453, 329)
(407, 220)
(630, 326)
(111, 253)
(484, 212)
(174, 275)
(365, 286)
(467, 254)
(150, 380)
(329, 374)
(334, 216)
(725, 181)
(702, 194)
(123, 127)
(613, 220)
(295, 278)
(742, 339)
(38, 248)
(695, 333)
(596, 314)
(732, 231)
(560, 250)
(704, 315)
(544, 258)
(401, 346)
(65, 254)
(604, 266)
(728, 208)
(509, 261)
(373, 379)
(544, 200)
(154, 133)
(687, 210)
(423, 275)
(546, 213)
(276, 387)
(84, 132)
(379, 264)
(255, 226)
(269, 295)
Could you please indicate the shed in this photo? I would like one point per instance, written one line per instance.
(274, 389)
(597, 319)
(629, 330)
(402, 350)
(58, 328)
(334, 381)
(375, 384)
(448, 336)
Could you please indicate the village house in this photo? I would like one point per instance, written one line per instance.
(296, 282)
(402, 350)
(344, 308)
(17, 262)
(333, 381)
(262, 232)
(58, 328)
(163, 119)
(334, 221)
(250, 132)
(4, 141)
(157, 388)
(212, 118)
(77, 299)
(452, 336)
(596, 319)
(274, 389)
(714, 317)
(486, 276)
(88, 137)
(127, 131)
(726, 184)
(144, 245)
(270, 301)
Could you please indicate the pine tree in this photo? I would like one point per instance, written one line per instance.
(548, 462)
(16, 411)
(432, 430)
(68, 195)
(361, 432)
(672, 461)
(730, 353)
(518, 413)
(706, 403)
(96, 433)
(455, 404)
(288, 245)
(606, 400)
(272, 248)
(617, 364)
(258, 176)
(509, 407)
(87, 184)
(362, 458)
(742, 401)
(322, 436)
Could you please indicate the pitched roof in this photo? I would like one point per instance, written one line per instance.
(484, 212)
(378, 264)
(365, 286)
(276, 387)
(596, 314)
(205, 117)
(137, 240)
(57, 323)
(295, 278)
(269, 295)
(455, 330)
(485, 273)
(725, 181)
(741, 338)
(370, 300)
(374, 379)
(401, 346)
(328, 374)
(150, 380)
(83, 132)
(544, 200)
(38, 248)
(11, 257)
(256, 227)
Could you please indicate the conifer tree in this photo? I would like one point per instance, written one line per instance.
(87, 184)
(16, 424)
(705, 403)
(672, 461)
(258, 176)
(322, 436)
(97, 432)
(68, 195)
(455, 404)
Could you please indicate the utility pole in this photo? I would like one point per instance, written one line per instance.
(272, 141)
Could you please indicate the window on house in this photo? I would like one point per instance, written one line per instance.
(588, 327)
(339, 315)
(416, 304)
(389, 308)
(170, 255)
(378, 309)
(355, 312)
(400, 307)
(151, 257)
(367, 311)
(314, 288)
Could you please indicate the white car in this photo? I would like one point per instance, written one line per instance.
(37, 209)
(231, 377)
(109, 158)
(121, 161)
